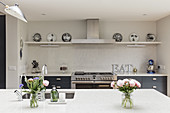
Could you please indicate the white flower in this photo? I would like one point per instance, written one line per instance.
(30, 80)
(112, 84)
(138, 84)
(125, 80)
(120, 83)
(45, 82)
(132, 83)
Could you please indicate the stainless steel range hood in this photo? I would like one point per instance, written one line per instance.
(92, 34)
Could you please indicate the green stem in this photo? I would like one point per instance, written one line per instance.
(127, 99)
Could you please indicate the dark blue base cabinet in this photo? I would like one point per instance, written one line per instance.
(150, 82)
(61, 82)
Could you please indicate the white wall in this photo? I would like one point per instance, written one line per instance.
(15, 29)
(22, 34)
(163, 54)
(90, 57)
(11, 52)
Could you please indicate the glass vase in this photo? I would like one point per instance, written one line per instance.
(127, 101)
(34, 100)
(41, 95)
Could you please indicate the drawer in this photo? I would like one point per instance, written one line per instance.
(158, 83)
(60, 82)
(154, 81)
(58, 79)
(138, 78)
(60, 86)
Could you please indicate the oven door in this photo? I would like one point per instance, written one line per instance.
(91, 84)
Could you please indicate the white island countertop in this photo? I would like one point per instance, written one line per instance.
(90, 101)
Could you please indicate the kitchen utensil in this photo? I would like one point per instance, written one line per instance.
(66, 37)
(118, 37)
(133, 37)
(37, 37)
(51, 37)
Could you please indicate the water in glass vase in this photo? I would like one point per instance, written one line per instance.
(127, 101)
(34, 100)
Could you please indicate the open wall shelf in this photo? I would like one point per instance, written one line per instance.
(138, 43)
(69, 43)
(47, 43)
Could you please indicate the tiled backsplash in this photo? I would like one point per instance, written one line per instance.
(90, 57)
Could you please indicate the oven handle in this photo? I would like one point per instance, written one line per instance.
(104, 86)
(82, 82)
(103, 82)
(92, 82)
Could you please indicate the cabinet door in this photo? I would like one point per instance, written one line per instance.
(59, 81)
(157, 82)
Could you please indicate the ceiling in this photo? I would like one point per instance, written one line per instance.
(107, 10)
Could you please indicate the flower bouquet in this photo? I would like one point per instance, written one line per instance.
(126, 86)
(35, 85)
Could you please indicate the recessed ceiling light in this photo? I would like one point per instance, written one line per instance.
(43, 14)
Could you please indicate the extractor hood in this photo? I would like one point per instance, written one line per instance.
(92, 34)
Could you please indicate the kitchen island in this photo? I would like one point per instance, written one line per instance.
(89, 101)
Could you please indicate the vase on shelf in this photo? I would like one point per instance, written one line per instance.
(127, 100)
(34, 100)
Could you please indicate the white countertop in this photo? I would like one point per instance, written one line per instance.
(141, 74)
(90, 101)
(51, 74)
(120, 74)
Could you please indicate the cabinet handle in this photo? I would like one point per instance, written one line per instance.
(58, 79)
(154, 87)
(154, 79)
(58, 87)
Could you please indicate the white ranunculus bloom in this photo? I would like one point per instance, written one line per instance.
(112, 84)
(45, 82)
(125, 80)
(120, 83)
(138, 84)
(132, 83)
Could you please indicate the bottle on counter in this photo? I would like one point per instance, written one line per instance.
(54, 95)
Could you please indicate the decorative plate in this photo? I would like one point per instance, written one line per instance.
(118, 37)
(51, 37)
(37, 37)
(150, 37)
(21, 43)
(66, 37)
(134, 37)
